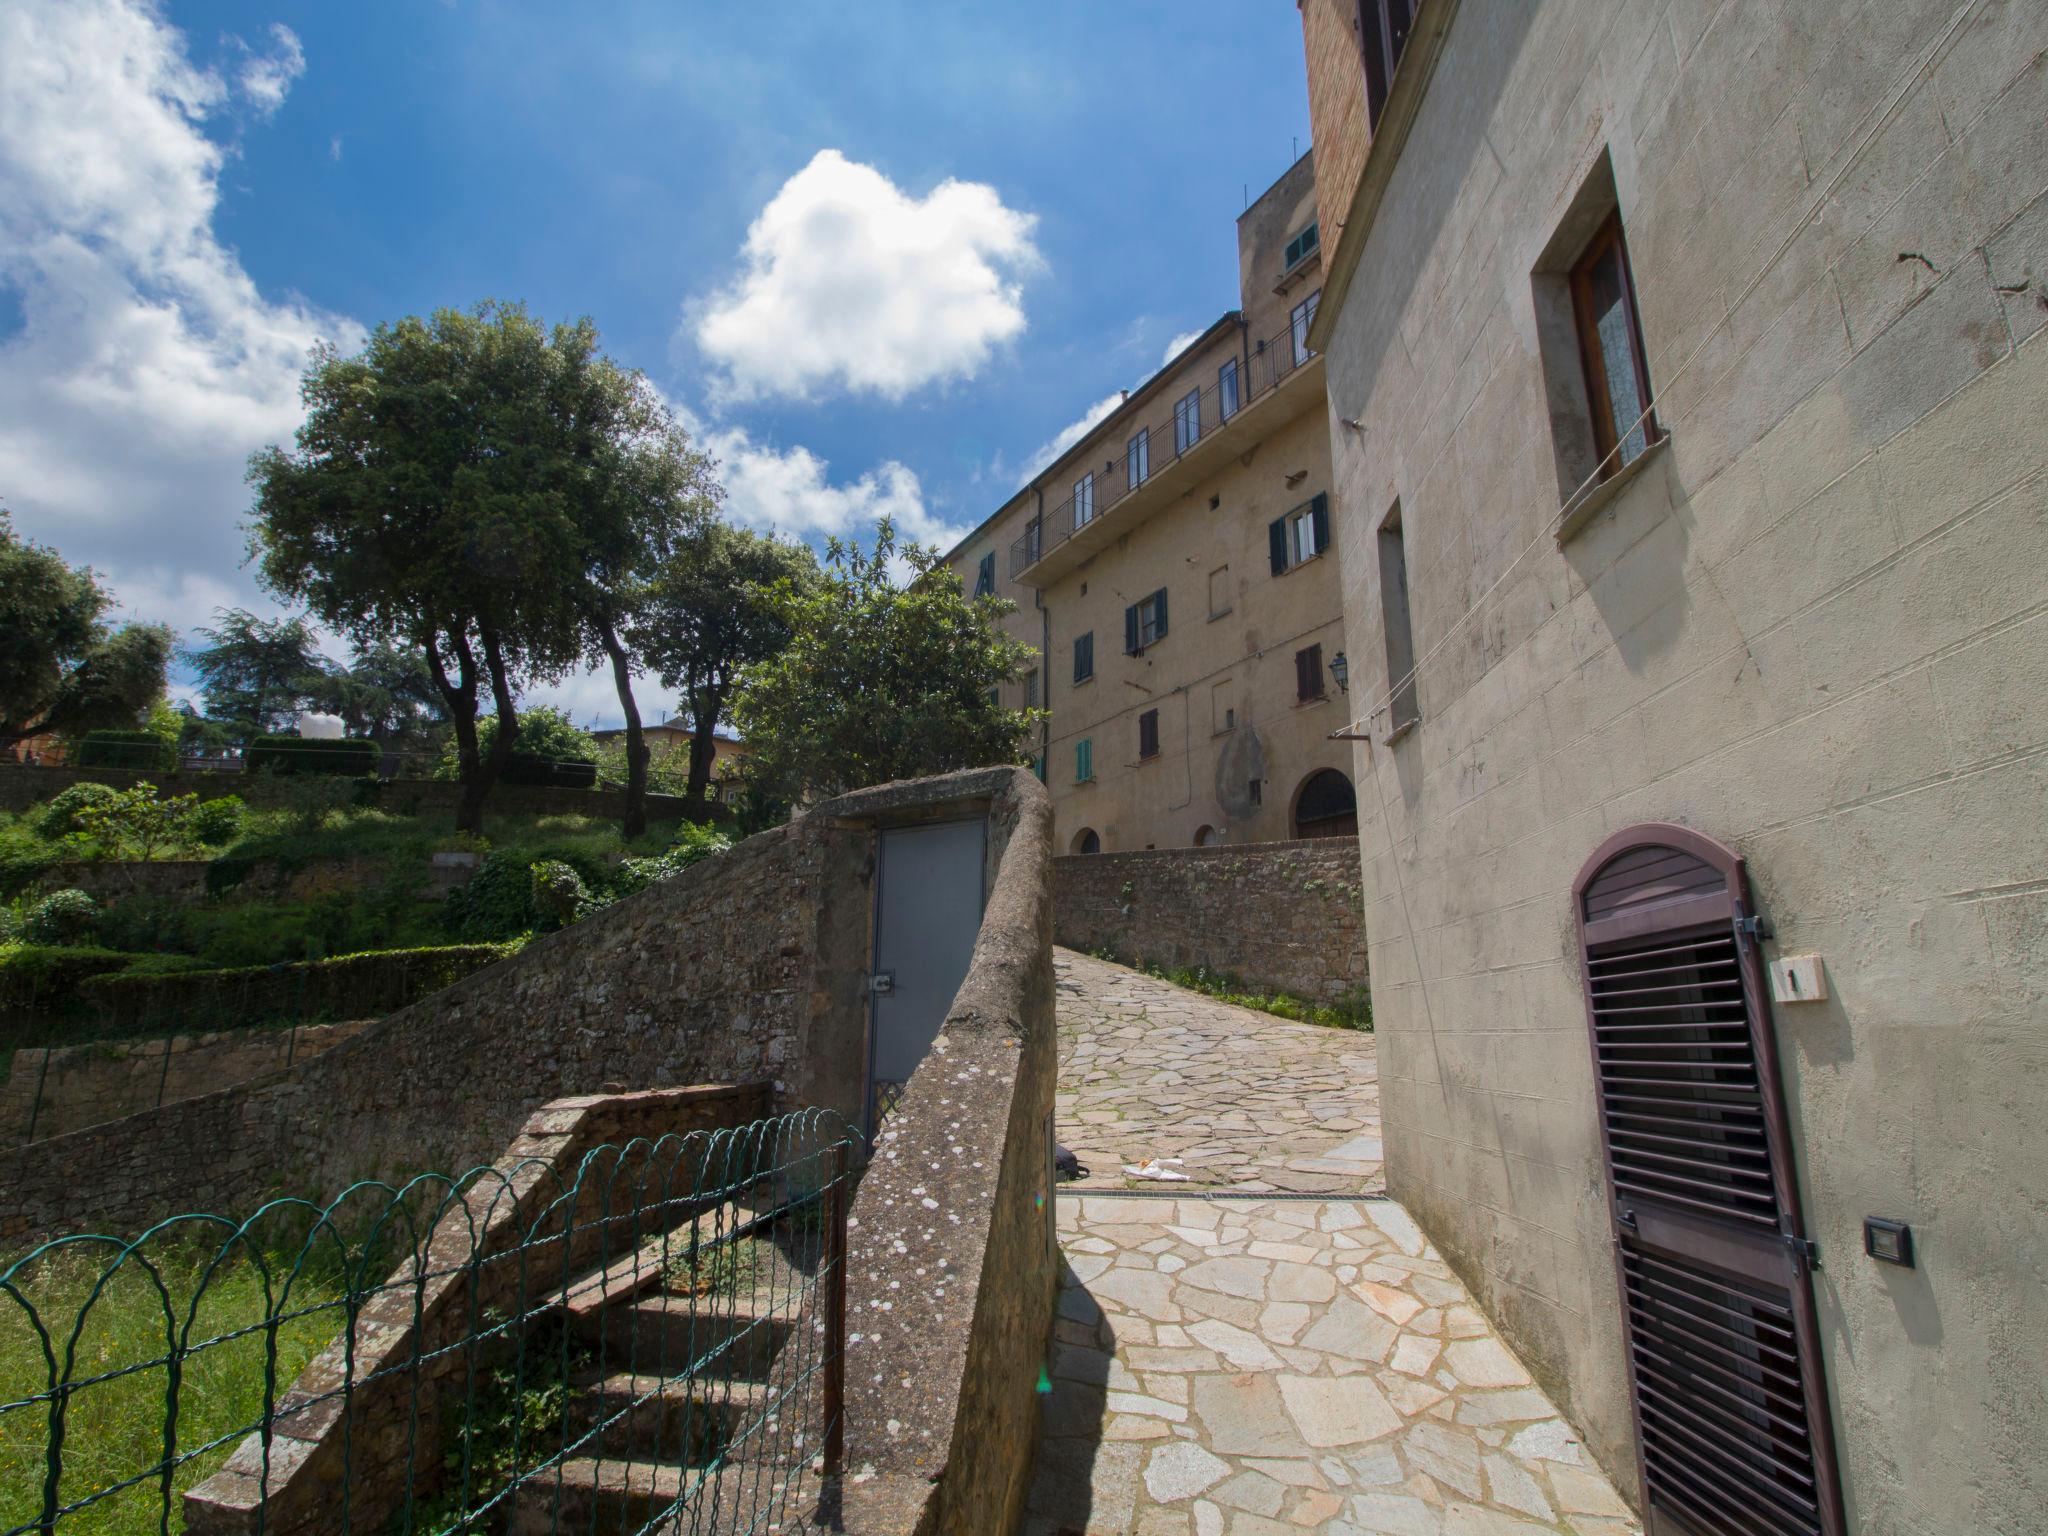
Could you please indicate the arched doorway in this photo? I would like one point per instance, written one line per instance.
(1207, 836)
(1325, 806)
(1085, 841)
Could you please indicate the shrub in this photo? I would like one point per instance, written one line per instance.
(62, 917)
(310, 800)
(497, 902)
(546, 735)
(343, 987)
(23, 857)
(298, 754)
(557, 893)
(60, 817)
(127, 749)
(216, 821)
(138, 823)
(47, 977)
(529, 768)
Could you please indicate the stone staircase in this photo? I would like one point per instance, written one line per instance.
(704, 1386)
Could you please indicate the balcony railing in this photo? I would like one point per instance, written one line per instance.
(1174, 428)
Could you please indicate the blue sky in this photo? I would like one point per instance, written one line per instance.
(879, 255)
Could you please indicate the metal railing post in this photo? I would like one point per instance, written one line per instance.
(835, 1317)
(35, 1110)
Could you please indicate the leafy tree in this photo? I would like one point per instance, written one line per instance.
(257, 674)
(388, 695)
(61, 667)
(638, 491)
(880, 681)
(432, 501)
(543, 730)
(709, 613)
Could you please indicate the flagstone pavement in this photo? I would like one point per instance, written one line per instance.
(1239, 1366)
(1150, 1070)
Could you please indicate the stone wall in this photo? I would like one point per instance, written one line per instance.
(186, 879)
(22, 787)
(708, 976)
(1809, 625)
(52, 1092)
(1283, 915)
(953, 1270)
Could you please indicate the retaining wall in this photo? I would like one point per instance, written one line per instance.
(712, 975)
(52, 1092)
(1282, 915)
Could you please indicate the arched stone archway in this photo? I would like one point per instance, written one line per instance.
(1325, 806)
(1085, 841)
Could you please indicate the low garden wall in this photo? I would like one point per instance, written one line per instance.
(362, 986)
(54, 1091)
(112, 880)
(1286, 916)
(22, 787)
(953, 1267)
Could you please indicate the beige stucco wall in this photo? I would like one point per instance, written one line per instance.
(1241, 656)
(1813, 627)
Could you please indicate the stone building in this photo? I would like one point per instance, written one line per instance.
(1686, 370)
(1169, 569)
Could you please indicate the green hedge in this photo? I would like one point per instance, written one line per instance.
(127, 749)
(530, 769)
(297, 754)
(362, 986)
(50, 978)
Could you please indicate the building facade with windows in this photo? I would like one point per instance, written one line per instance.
(1685, 368)
(1172, 568)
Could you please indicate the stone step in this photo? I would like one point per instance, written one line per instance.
(647, 1267)
(611, 1498)
(663, 1334)
(669, 1419)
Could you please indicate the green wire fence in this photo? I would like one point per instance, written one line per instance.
(652, 1339)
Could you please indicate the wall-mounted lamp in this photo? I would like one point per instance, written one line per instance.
(1340, 670)
(1889, 1242)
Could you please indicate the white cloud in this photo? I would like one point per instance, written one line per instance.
(147, 364)
(591, 699)
(1070, 434)
(790, 491)
(1178, 345)
(334, 148)
(266, 78)
(849, 282)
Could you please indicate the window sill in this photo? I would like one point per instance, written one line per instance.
(1399, 729)
(1300, 564)
(1321, 698)
(1222, 614)
(1082, 682)
(1595, 499)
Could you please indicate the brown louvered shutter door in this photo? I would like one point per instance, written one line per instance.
(1730, 1402)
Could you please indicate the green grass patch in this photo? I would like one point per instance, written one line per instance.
(1351, 1011)
(118, 1343)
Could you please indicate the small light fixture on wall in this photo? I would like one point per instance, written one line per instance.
(1889, 1242)
(1340, 670)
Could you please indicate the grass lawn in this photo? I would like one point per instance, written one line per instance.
(115, 1421)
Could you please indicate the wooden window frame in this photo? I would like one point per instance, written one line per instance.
(1148, 726)
(1610, 236)
(1084, 495)
(1300, 319)
(1084, 649)
(1084, 760)
(1384, 27)
(1138, 459)
(1229, 398)
(985, 575)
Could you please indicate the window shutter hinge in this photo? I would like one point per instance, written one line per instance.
(1752, 927)
(1807, 1250)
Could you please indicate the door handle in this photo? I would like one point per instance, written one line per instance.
(882, 983)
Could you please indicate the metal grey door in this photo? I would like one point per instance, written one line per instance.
(928, 890)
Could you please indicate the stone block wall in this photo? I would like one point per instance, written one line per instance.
(53, 1092)
(705, 977)
(1282, 915)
